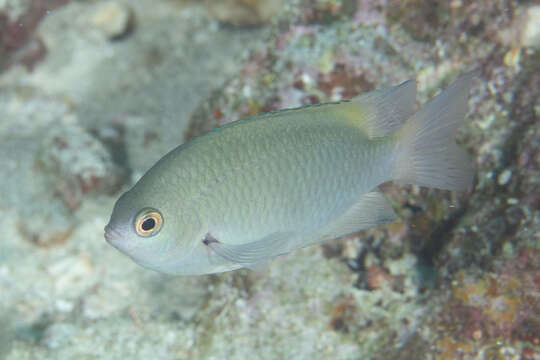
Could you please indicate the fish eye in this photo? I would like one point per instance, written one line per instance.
(148, 222)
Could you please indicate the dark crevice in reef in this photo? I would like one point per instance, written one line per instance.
(502, 220)
(522, 114)
(440, 237)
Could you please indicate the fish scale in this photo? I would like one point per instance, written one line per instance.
(306, 172)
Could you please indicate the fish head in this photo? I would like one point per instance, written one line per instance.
(155, 232)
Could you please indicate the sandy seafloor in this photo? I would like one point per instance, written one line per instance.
(92, 93)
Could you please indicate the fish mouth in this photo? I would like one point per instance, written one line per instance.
(112, 236)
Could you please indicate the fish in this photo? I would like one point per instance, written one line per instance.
(266, 185)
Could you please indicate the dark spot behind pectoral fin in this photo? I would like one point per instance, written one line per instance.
(252, 253)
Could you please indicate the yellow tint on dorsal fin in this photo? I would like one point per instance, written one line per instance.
(382, 112)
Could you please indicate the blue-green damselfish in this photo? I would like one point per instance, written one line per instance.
(263, 186)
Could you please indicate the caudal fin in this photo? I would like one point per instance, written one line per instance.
(426, 151)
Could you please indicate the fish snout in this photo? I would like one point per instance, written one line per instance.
(112, 236)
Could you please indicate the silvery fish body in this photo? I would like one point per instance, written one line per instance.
(266, 185)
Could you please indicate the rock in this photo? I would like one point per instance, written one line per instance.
(47, 229)
(530, 35)
(78, 163)
(58, 335)
(72, 275)
(504, 177)
(19, 20)
(6, 334)
(113, 19)
(98, 304)
(244, 12)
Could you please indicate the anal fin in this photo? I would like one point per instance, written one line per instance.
(371, 210)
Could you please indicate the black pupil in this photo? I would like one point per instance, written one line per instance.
(148, 224)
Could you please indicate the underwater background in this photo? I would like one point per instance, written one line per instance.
(93, 93)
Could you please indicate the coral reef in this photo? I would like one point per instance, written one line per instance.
(118, 84)
(449, 234)
(79, 163)
(114, 19)
(244, 12)
(492, 313)
(18, 22)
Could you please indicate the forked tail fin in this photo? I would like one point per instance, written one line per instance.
(426, 151)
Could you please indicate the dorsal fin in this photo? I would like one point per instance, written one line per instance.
(381, 112)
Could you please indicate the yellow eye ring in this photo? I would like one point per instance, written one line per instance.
(148, 222)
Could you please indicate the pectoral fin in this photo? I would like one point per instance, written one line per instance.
(251, 254)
